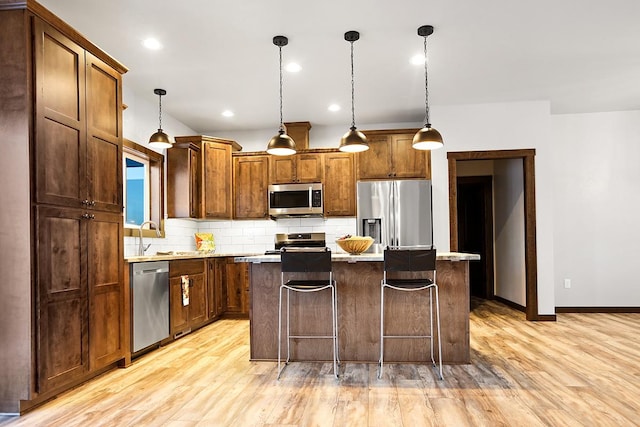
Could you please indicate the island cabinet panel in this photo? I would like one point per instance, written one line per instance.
(187, 295)
(358, 291)
(251, 174)
(391, 156)
(301, 167)
(339, 185)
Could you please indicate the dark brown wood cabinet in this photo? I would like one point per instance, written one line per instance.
(301, 167)
(339, 184)
(215, 281)
(391, 156)
(187, 295)
(199, 178)
(250, 173)
(237, 288)
(78, 153)
(63, 112)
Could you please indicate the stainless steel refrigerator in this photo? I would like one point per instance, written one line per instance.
(395, 213)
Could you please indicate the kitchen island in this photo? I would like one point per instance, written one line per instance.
(358, 289)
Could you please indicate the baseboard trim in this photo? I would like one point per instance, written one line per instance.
(597, 309)
(510, 303)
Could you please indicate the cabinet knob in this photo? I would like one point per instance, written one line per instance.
(85, 202)
(88, 216)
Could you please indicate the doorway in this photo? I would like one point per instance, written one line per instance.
(475, 231)
(528, 161)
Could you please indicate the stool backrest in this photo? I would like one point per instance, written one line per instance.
(305, 261)
(409, 259)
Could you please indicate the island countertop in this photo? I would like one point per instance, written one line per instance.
(364, 257)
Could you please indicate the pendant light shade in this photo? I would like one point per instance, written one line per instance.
(353, 141)
(281, 144)
(426, 138)
(160, 139)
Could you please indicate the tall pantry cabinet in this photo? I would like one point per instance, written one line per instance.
(71, 94)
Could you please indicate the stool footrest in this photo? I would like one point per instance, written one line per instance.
(407, 336)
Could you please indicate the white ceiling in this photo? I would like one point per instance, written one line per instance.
(582, 56)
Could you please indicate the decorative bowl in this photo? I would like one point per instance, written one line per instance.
(355, 245)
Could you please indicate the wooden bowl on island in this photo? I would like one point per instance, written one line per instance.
(354, 245)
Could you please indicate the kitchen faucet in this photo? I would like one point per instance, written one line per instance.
(141, 247)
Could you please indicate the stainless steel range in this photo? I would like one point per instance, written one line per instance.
(297, 240)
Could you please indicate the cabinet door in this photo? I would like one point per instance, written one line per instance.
(197, 300)
(104, 135)
(106, 292)
(282, 169)
(309, 167)
(339, 184)
(407, 162)
(375, 163)
(60, 118)
(250, 186)
(183, 190)
(215, 278)
(179, 313)
(236, 283)
(217, 180)
(194, 202)
(62, 336)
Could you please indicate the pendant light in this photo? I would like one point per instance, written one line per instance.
(160, 139)
(353, 141)
(281, 144)
(426, 138)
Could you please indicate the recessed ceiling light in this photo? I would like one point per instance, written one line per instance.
(227, 113)
(293, 67)
(334, 107)
(152, 44)
(417, 59)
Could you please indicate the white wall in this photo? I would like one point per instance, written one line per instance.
(596, 203)
(508, 197)
(518, 125)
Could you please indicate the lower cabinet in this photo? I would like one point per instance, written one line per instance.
(80, 294)
(237, 288)
(215, 280)
(187, 295)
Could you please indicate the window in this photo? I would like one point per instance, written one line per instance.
(143, 191)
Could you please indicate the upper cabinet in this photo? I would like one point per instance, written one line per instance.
(339, 184)
(78, 144)
(391, 156)
(250, 174)
(199, 177)
(302, 167)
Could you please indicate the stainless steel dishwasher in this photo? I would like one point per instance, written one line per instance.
(150, 302)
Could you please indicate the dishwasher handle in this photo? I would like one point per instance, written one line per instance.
(151, 271)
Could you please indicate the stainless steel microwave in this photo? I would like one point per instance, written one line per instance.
(295, 199)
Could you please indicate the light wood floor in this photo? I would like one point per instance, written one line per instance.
(583, 370)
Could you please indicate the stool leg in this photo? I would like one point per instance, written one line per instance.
(438, 326)
(433, 360)
(279, 331)
(381, 360)
(334, 321)
(288, 326)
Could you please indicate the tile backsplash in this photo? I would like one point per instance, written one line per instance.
(240, 237)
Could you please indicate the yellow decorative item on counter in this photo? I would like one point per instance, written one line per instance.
(205, 242)
(354, 245)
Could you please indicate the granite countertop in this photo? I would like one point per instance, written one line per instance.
(365, 257)
(171, 255)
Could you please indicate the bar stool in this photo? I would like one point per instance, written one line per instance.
(407, 260)
(307, 260)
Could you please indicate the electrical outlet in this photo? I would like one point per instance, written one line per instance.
(567, 283)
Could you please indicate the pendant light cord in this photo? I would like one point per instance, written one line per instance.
(281, 122)
(160, 112)
(353, 111)
(426, 87)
